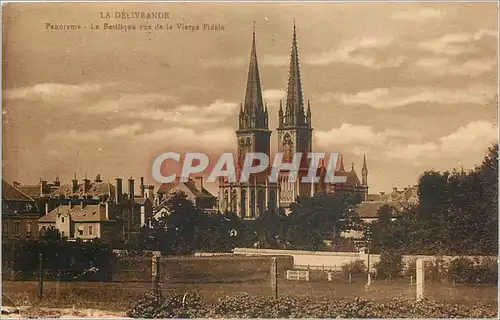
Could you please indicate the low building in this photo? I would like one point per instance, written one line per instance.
(20, 215)
(194, 190)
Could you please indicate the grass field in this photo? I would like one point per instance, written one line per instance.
(116, 296)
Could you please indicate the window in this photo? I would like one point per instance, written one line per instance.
(5, 229)
(17, 228)
(62, 219)
(62, 233)
(91, 230)
(28, 229)
(80, 232)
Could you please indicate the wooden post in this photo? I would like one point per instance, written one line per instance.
(420, 278)
(40, 277)
(411, 280)
(155, 273)
(274, 277)
(350, 278)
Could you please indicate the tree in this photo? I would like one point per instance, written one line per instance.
(313, 219)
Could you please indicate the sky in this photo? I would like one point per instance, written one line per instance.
(411, 85)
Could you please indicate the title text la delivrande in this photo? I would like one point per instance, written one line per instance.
(135, 15)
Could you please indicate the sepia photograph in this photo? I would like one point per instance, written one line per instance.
(250, 159)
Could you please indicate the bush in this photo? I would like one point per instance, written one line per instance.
(436, 270)
(182, 306)
(245, 306)
(469, 271)
(356, 267)
(390, 265)
(461, 270)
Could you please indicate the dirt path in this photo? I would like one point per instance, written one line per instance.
(64, 313)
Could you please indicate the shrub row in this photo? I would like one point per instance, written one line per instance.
(244, 306)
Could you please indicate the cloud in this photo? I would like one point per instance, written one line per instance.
(386, 98)
(49, 92)
(273, 95)
(419, 15)
(275, 61)
(356, 135)
(457, 43)
(473, 138)
(348, 52)
(446, 66)
(186, 138)
(232, 62)
(127, 130)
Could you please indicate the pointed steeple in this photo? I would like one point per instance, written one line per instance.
(294, 113)
(341, 163)
(253, 110)
(364, 172)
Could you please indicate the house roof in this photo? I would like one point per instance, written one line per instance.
(30, 190)
(369, 209)
(95, 189)
(93, 212)
(9, 192)
(142, 201)
(191, 186)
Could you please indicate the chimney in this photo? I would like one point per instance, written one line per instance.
(119, 190)
(149, 191)
(143, 216)
(107, 210)
(86, 185)
(82, 205)
(142, 187)
(75, 184)
(198, 183)
(131, 188)
(46, 208)
(382, 193)
(394, 189)
(16, 184)
(57, 183)
(43, 187)
(98, 178)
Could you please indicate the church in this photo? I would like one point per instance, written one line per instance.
(295, 134)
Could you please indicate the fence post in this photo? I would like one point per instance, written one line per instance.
(40, 277)
(350, 278)
(420, 278)
(155, 273)
(274, 277)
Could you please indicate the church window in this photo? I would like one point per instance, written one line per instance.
(261, 202)
(243, 202)
(287, 149)
(252, 203)
(226, 200)
(234, 201)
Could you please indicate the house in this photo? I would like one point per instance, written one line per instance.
(20, 215)
(194, 190)
(97, 209)
(397, 200)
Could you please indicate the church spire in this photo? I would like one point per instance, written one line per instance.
(253, 110)
(294, 113)
(364, 172)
